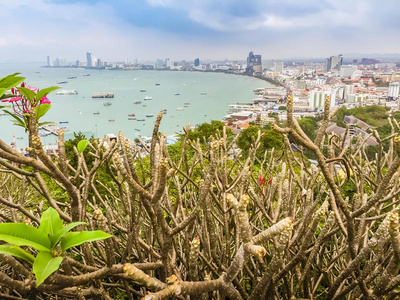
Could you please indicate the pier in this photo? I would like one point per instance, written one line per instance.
(50, 129)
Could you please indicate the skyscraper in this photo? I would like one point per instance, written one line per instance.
(254, 64)
(334, 63)
(197, 62)
(48, 61)
(89, 60)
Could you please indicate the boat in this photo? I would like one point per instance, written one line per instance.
(103, 95)
(67, 92)
(19, 137)
(137, 102)
(63, 122)
(72, 77)
(186, 106)
(143, 91)
(131, 118)
(65, 128)
(62, 82)
(43, 134)
(96, 113)
(140, 120)
(107, 103)
(148, 98)
(157, 84)
(111, 120)
(187, 103)
(164, 111)
(203, 93)
(149, 116)
(144, 105)
(86, 75)
(180, 108)
(177, 94)
(131, 115)
(137, 129)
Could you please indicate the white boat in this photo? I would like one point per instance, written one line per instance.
(107, 103)
(180, 108)
(203, 93)
(148, 98)
(149, 116)
(137, 102)
(177, 94)
(96, 113)
(67, 92)
(111, 120)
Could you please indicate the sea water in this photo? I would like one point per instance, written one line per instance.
(206, 95)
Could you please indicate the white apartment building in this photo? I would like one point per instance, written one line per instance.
(394, 89)
(316, 99)
(347, 71)
(357, 99)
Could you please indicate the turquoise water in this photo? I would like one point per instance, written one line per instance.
(221, 89)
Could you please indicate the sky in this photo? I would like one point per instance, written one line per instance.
(119, 30)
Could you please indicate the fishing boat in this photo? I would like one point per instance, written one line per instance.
(137, 129)
(203, 93)
(148, 98)
(177, 94)
(107, 103)
(164, 111)
(180, 108)
(143, 91)
(72, 77)
(187, 103)
(137, 102)
(86, 74)
(157, 84)
(96, 113)
(131, 115)
(140, 120)
(19, 137)
(131, 118)
(64, 122)
(103, 95)
(149, 116)
(62, 82)
(111, 120)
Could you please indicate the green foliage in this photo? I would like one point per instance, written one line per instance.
(45, 240)
(309, 126)
(70, 144)
(269, 139)
(206, 130)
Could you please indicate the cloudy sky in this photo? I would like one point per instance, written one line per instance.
(115, 30)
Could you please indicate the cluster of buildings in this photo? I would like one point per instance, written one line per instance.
(361, 83)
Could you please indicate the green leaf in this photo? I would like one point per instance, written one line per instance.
(41, 110)
(41, 93)
(50, 222)
(45, 265)
(27, 93)
(73, 239)
(9, 82)
(45, 123)
(18, 121)
(17, 252)
(82, 145)
(62, 232)
(21, 234)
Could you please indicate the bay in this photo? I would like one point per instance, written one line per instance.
(78, 110)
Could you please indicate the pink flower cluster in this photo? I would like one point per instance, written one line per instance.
(22, 105)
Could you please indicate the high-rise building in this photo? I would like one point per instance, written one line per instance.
(278, 66)
(254, 64)
(334, 63)
(168, 63)
(316, 99)
(197, 62)
(90, 61)
(394, 90)
(48, 61)
(347, 71)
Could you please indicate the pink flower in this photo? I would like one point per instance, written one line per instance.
(4, 100)
(14, 99)
(261, 180)
(23, 84)
(44, 98)
(45, 102)
(269, 181)
(31, 88)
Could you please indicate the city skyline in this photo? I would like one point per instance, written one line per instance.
(213, 30)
